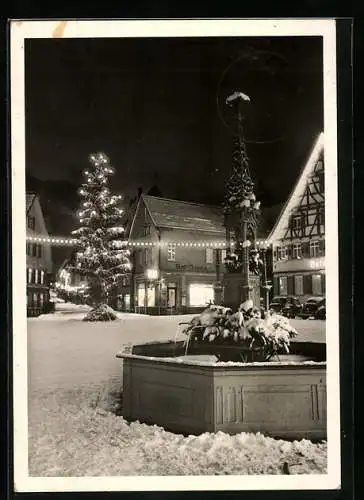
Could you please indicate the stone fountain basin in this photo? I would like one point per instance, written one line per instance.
(285, 399)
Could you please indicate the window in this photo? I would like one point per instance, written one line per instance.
(201, 294)
(39, 251)
(29, 249)
(316, 284)
(30, 275)
(297, 222)
(322, 216)
(34, 250)
(298, 285)
(151, 296)
(283, 285)
(314, 248)
(42, 277)
(209, 255)
(297, 251)
(223, 256)
(36, 273)
(321, 180)
(146, 230)
(141, 295)
(31, 222)
(282, 253)
(171, 252)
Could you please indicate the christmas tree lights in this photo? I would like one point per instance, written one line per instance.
(101, 256)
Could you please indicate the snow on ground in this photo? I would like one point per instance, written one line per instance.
(74, 400)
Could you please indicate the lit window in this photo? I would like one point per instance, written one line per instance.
(298, 285)
(209, 256)
(223, 255)
(314, 248)
(42, 277)
(30, 275)
(151, 296)
(297, 251)
(201, 294)
(316, 284)
(141, 294)
(36, 276)
(283, 285)
(171, 252)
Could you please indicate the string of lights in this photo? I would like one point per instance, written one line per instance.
(63, 241)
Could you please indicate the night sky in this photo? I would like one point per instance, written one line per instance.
(152, 106)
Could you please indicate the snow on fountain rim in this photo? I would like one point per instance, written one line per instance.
(192, 362)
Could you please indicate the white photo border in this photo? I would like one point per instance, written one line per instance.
(21, 30)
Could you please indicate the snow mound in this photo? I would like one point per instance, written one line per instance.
(102, 312)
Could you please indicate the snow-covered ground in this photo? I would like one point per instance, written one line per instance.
(74, 399)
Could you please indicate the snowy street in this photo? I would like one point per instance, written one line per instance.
(64, 351)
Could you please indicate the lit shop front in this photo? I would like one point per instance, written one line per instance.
(172, 293)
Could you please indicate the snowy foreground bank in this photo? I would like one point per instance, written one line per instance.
(75, 422)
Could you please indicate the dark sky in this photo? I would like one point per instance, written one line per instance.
(151, 106)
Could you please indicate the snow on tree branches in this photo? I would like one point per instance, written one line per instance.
(102, 254)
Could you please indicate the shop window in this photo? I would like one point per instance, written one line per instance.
(151, 296)
(297, 251)
(314, 248)
(201, 294)
(298, 285)
(141, 295)
(209, 255)
(171, 252)
(283, 285)
(316, 284)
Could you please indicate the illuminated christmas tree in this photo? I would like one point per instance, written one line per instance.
(102, 254)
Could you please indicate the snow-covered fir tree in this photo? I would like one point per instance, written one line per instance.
(102, 255)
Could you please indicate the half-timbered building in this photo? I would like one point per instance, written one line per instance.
(298, 237)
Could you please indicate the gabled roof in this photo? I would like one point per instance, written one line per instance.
(176, 214)
(29, 200)
(298, 190)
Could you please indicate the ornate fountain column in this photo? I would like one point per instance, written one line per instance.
(240, 282)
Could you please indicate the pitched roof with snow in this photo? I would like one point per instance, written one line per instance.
(175, 214)
(298, 190)
(29, 199)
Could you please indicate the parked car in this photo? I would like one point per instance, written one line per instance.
(311, 307)
(287, 306)
(321, 311)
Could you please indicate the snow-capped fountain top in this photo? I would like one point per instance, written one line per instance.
(237, 95)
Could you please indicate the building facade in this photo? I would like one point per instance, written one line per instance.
(298, 237)
(174, 262)
(38, 258)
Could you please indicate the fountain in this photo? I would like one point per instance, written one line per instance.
(244, 388)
